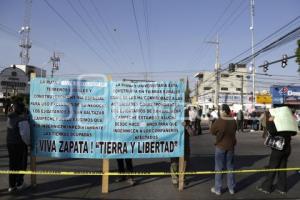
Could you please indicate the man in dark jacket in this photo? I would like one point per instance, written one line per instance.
(18, 137)
(224, 128)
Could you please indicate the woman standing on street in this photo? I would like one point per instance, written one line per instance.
(278, 159)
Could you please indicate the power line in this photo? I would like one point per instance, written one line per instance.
(290, 36)
(39, 44)
(76, 33)
(146, 17)
(139, 35)
(15, 34)
(261, 82)
(224, 28)
(111, 34)
(8, 30)
(200, 49)
(95, 25)
(264, 49)
(234, 19)
(265, 39)
(89, 28)
(225, 23)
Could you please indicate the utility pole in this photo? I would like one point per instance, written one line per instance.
(217, 71)
(55, 59)
(25, 42)
(252, 52)
(242, 93)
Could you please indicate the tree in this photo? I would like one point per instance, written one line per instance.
(187, 92)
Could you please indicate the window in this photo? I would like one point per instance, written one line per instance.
(239, 76)
(224, 88)
(14, 74)
(13, 84)
(224, 75)
(238, 89)
(207, 88)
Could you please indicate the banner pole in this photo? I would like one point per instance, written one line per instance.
(105, 178)
(32, 157)
(181, 167)
(181, 173)
(105, 165)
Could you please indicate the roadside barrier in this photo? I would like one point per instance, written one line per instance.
(70, 173)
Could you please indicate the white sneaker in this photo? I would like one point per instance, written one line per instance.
(174, 181)
(232, 192)
(11, 189)
(213, 190)
(131, 181)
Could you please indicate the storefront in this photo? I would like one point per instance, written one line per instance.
(286, 95)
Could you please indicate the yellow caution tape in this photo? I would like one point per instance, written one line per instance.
(68, 173)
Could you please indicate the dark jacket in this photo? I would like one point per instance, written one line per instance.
(13, 132)
(224, 129)
(286, 134)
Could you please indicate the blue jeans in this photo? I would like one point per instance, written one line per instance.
(224, 159)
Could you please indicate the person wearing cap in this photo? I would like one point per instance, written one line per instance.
(224, 128)
(18, 138)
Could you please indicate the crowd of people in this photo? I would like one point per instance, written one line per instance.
(223, 125)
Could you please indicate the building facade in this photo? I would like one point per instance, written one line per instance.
(14, 81)
(233, 89)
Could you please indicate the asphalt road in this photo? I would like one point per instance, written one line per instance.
(250, 154)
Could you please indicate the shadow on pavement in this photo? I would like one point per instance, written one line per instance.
(206, 163)
(292, 180)
(248, 181)
(53, 189)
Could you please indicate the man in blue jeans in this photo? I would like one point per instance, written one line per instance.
(224, 129)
